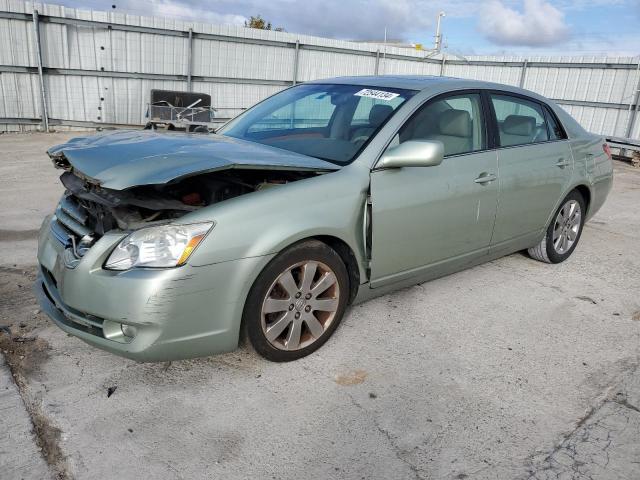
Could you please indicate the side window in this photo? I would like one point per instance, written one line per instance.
(456, 121)
(312, 111)
(520, 121)
(556, 132)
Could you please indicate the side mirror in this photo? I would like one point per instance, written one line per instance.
(414, 153)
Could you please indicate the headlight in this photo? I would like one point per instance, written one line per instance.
(159, 247)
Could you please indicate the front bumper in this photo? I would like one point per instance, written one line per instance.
(177, 313)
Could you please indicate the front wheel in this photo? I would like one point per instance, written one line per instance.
(297, 302)
(563, 232)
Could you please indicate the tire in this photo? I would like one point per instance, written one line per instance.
(297, 302)
(557, 248)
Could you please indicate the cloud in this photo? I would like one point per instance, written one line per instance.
(538, 24)
(359, 19)
(505, 23)
(179, 10)
(344, 19)
(586, 4)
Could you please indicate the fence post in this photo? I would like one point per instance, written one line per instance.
(633, 106)
(43, 93)
(523, 73)
(634, 115)
(377, 62)
(444, 59)
(296, 55)
(189, 59)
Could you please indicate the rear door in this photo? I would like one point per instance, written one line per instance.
(535, 164)
(425, 217)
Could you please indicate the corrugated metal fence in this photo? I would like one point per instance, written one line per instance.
(97, 68)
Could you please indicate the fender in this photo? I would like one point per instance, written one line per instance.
(266, 222)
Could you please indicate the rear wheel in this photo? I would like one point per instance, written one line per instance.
(297, 302)
(563, 233)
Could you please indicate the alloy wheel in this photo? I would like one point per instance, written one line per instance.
(566, 227)
(300, 305)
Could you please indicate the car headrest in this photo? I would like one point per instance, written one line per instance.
(519, 125)
(456, 123)
(379, 114)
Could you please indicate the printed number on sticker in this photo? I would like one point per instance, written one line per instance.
(378, 94)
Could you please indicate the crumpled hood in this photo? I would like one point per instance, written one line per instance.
(128, 158)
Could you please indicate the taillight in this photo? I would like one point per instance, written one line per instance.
(607, 150)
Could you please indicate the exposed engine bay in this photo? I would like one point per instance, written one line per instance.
(126, 180)
(87, 210)
(144, 205)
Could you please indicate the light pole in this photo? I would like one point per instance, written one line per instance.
(438, 45)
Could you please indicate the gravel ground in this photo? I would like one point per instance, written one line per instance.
(513, 369)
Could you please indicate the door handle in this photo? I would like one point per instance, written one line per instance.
(562, 163)
(485, 178)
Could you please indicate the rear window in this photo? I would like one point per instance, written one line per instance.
(556, 132)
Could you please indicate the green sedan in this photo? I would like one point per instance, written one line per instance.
(170, 245)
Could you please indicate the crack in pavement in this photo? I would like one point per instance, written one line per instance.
(626, 404)
(397, 451)
(585, 452)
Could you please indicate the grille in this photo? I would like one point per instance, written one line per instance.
(70, 226)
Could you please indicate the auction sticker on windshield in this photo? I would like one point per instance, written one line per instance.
(377, 94)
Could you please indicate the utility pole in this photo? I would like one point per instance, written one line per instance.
(189, 59)
(438, 45)
(384, 52)
(384, 44)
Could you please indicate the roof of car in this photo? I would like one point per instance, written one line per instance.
(411, 82)
(442, 84)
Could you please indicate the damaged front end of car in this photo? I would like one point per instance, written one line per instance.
(87, 211)
(89, 208)
(107, 255)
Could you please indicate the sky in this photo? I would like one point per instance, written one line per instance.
(493, 27)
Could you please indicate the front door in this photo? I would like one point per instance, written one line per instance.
(423, 217)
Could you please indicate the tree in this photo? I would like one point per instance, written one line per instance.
(260, 23)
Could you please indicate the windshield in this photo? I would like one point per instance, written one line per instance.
(330, 122)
